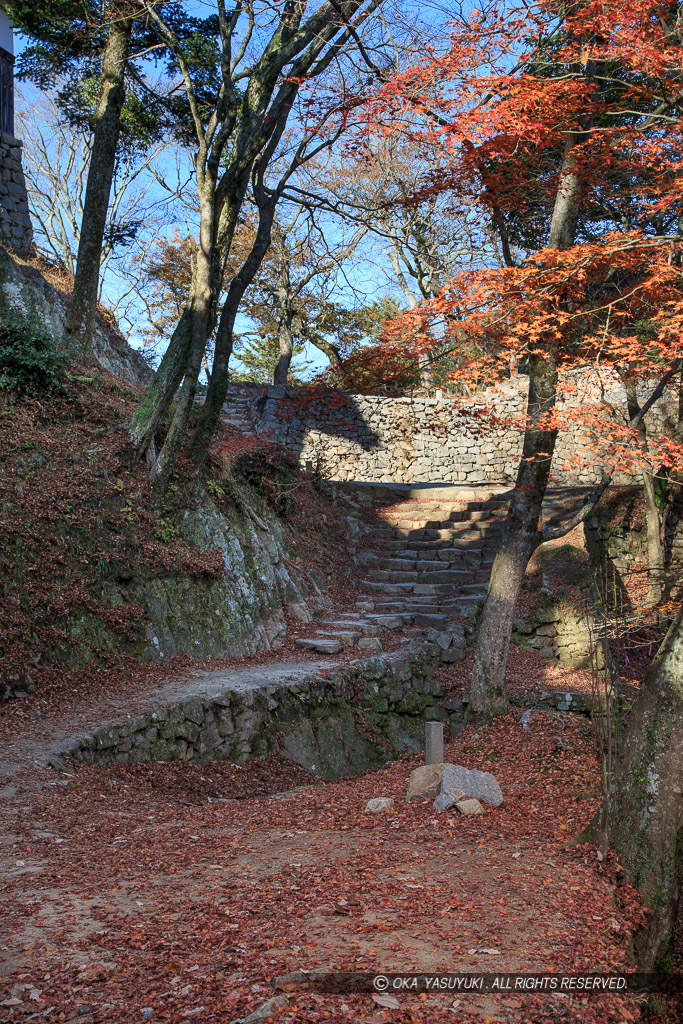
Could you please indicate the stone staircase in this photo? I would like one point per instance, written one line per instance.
(424, 561)
(237, 411)
(427, 560)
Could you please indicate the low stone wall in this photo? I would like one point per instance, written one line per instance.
(15, 223)
(559, 630)
(361, 716)
(414, 438)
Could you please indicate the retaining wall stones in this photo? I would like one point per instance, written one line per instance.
(15, 223)
(421, 438)
(360, 716)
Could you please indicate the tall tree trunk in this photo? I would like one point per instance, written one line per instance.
(521, 537)
(286, 340)
(645, 806)
(521, 531)
(158, 397)
(80, 322)
(207, 275)
(220, 369)
(655, 547)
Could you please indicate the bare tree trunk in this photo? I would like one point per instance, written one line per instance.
(645, 806)
(521, 532)
(521, 537)
(286, 340)
(655, 547)
(158, 397)
(80, 321)
(206, 293)
(220, 375)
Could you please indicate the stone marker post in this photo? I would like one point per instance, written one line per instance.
(434, 743)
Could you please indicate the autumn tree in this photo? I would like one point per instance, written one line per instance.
(573, 105)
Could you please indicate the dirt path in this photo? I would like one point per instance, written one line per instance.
(38, 735)
(126, 899)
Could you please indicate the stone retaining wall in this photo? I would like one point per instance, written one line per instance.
(15, 223)
(420, 438)
(359, 717)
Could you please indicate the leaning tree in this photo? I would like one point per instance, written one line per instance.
(266, 63)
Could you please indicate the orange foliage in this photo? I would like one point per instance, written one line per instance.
(518, 88)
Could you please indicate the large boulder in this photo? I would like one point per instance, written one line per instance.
(475, 784)
(439, 781)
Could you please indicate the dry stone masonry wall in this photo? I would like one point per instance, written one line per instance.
(15, 223)
(360, 716)
(430, 439)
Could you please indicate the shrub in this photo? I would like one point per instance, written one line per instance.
(29, 360)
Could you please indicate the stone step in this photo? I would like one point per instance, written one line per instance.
(379, 588)
(322, 646)
(424, 561)
(442, 575)
(391, 576)
(463, 530)
(401, 548)
(344, 625)
(423, 602)
(388, 621)
(346, 637)
(434, 620)
(447, 589)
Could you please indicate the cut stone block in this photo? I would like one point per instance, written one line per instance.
(320, 645)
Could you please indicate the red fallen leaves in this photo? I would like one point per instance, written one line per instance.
(154, 902)
(75, 514)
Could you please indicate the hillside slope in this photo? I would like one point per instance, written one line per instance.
(96, 573)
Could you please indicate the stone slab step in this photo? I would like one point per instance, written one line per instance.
(377, 587)
(395, 547)
(390, 576)
(346, 637)
(447, 589)
(343, 625)
(445, 575)
(424, 563)
(389, 622)
(425, 619)
(315, 643)
(426, 490)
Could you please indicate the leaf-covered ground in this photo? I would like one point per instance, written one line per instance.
(181, 892)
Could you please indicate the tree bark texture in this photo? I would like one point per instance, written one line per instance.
(522, 528)
(645, 805)
(80, 321)
(206, 285)
(521, 536)
(158, 397)
(655, 547)
(220, 373)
